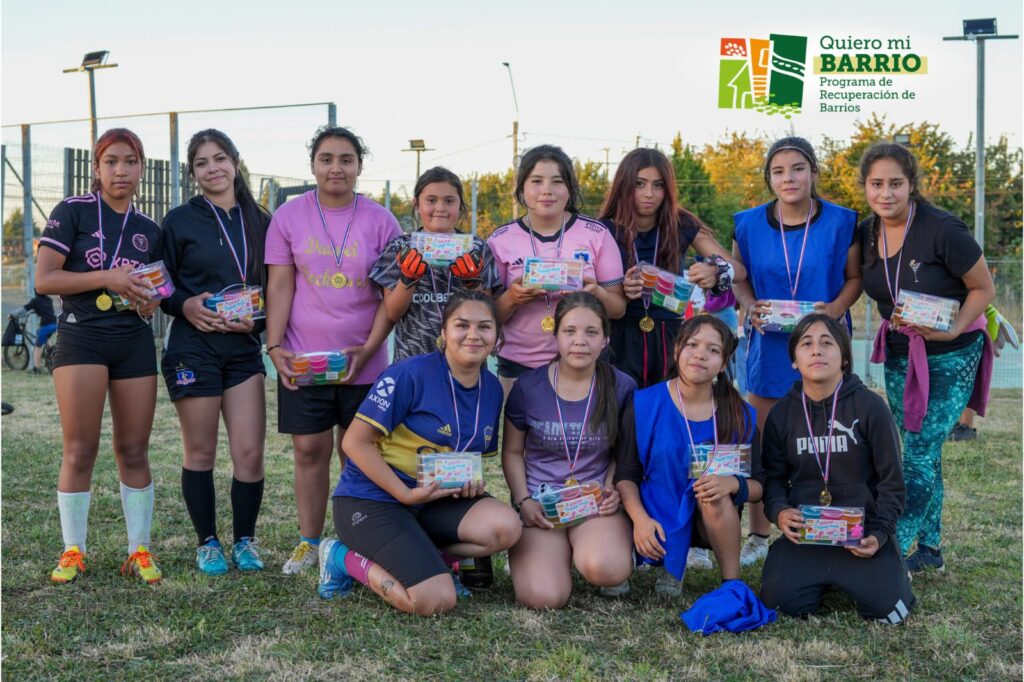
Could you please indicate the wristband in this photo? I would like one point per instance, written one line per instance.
(741, 496)
(270, 348)
(517, 505)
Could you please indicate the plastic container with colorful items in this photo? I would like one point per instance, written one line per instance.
(721, 460)
(782, 316)
(564, 507)
(157, 279)
(449, 469)
(441, 248)
(238, 302)
(553, 274)
(925, 310)
(832, 525)
(666, 289)
(320, 368)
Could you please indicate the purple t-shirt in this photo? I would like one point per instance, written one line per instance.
(531, 408)
(334, 306)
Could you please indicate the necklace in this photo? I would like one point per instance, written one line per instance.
(547, 324)
(243, 263)
(583, 427)
(455, 409)
(339, 280)
(104, 301)
(894, 285)
(646, 323)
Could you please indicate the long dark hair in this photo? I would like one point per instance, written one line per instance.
(620, 208)
(908, 164)
(605, 417)
(254, 216)
(836, 330)
(463, 296)
(549, 152)
(795, 144)
(733, 425)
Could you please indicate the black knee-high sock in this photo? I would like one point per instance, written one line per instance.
(246, 499)
(201, 502)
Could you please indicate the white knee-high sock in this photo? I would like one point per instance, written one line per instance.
(137, 504)
(74, 518)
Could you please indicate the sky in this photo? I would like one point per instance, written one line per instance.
(588, 75)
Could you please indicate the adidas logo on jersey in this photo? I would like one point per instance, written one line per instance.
(445, 430)
(517, 261)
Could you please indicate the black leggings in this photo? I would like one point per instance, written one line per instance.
(795, 578)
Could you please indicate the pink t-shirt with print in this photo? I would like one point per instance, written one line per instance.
(333, 306)
(585, 238)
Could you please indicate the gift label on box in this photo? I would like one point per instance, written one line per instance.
(825, 530)
(578, 508)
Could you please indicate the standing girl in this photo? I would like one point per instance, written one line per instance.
(659, 433)
(93, 243)
(797, 247)
(415, 292)
(320, 248)
(561, 423)
(552, 228)
(391, 531)
(929, 375)
(643, 212)
(212, 366)
(831, 441)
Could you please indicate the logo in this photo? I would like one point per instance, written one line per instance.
(94, 258)
(764, 75)
(445, 430)
(358, 518)
(385, 387)
(838, 425)
(581, 254)
(185, 377)
(517, 261)
(488, 435)
(140, 242)
(70, 318)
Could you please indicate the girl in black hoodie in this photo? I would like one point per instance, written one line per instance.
(832, 441)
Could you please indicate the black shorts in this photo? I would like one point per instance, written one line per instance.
(403, 540)
(697, 540)
(125, 357)
(194, 368)
(315, 409)
(648, 357)
(510, 369)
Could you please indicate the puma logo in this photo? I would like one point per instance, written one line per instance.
(836, 424)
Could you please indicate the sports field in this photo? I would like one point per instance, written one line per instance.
(967, 624)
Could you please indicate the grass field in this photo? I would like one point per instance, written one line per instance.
(967, 624)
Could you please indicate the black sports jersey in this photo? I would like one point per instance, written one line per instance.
(198, 257)
(73, 231)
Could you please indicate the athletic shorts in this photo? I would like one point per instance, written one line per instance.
(315, 409)
(127, 357)
(696, 540)
(193, 368)
(403, 540)
(511, 369)
(44, 334)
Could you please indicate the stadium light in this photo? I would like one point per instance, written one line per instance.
(90, 63)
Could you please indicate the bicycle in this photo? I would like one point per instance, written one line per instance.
(16, 355)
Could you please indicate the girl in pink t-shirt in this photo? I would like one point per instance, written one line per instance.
(552, 228)
(320, 248)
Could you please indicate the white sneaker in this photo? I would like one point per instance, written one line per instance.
(303, 556)
(699, 558)
(620, 590)
(754, 550)
(668, 585)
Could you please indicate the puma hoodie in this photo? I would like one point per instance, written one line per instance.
(866, 469)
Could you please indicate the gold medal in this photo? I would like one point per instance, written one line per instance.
(571, 481)
(103, 302)
(548, 324)
(825, 498)
(339, 280)
(646, 324)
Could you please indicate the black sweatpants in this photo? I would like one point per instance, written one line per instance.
(795, 578)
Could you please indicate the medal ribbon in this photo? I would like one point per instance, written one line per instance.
(344, 241)
(99, 218)
(455, 409)
(686, 421)
(645, 299)
(583, 426)
(243, 264)
(894, 285)
(793, 286)
(828, 436)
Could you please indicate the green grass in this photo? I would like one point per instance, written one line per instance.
(967, 624)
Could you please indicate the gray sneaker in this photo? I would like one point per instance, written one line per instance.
(620, 590)
(700, 559)
(754, 550)
(668, 585)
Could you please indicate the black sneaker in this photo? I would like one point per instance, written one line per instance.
(926, 557)
(962, 432)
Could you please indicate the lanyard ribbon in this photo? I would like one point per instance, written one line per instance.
(894, 285)
(583, 425)
(533, 248)
(243, 263)
(338, 257)
(455, 409)
(828, 435)
(686, 421)
(99, 218)
(793, 286)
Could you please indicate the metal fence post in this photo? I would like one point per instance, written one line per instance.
(3, 177)
(332, 114)
(387, 194)
(175, 162)
(476, 192)
(868, 339)
(26, 207)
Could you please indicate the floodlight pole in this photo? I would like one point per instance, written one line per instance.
(979, 142)
(92, 62)
(515, 136)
